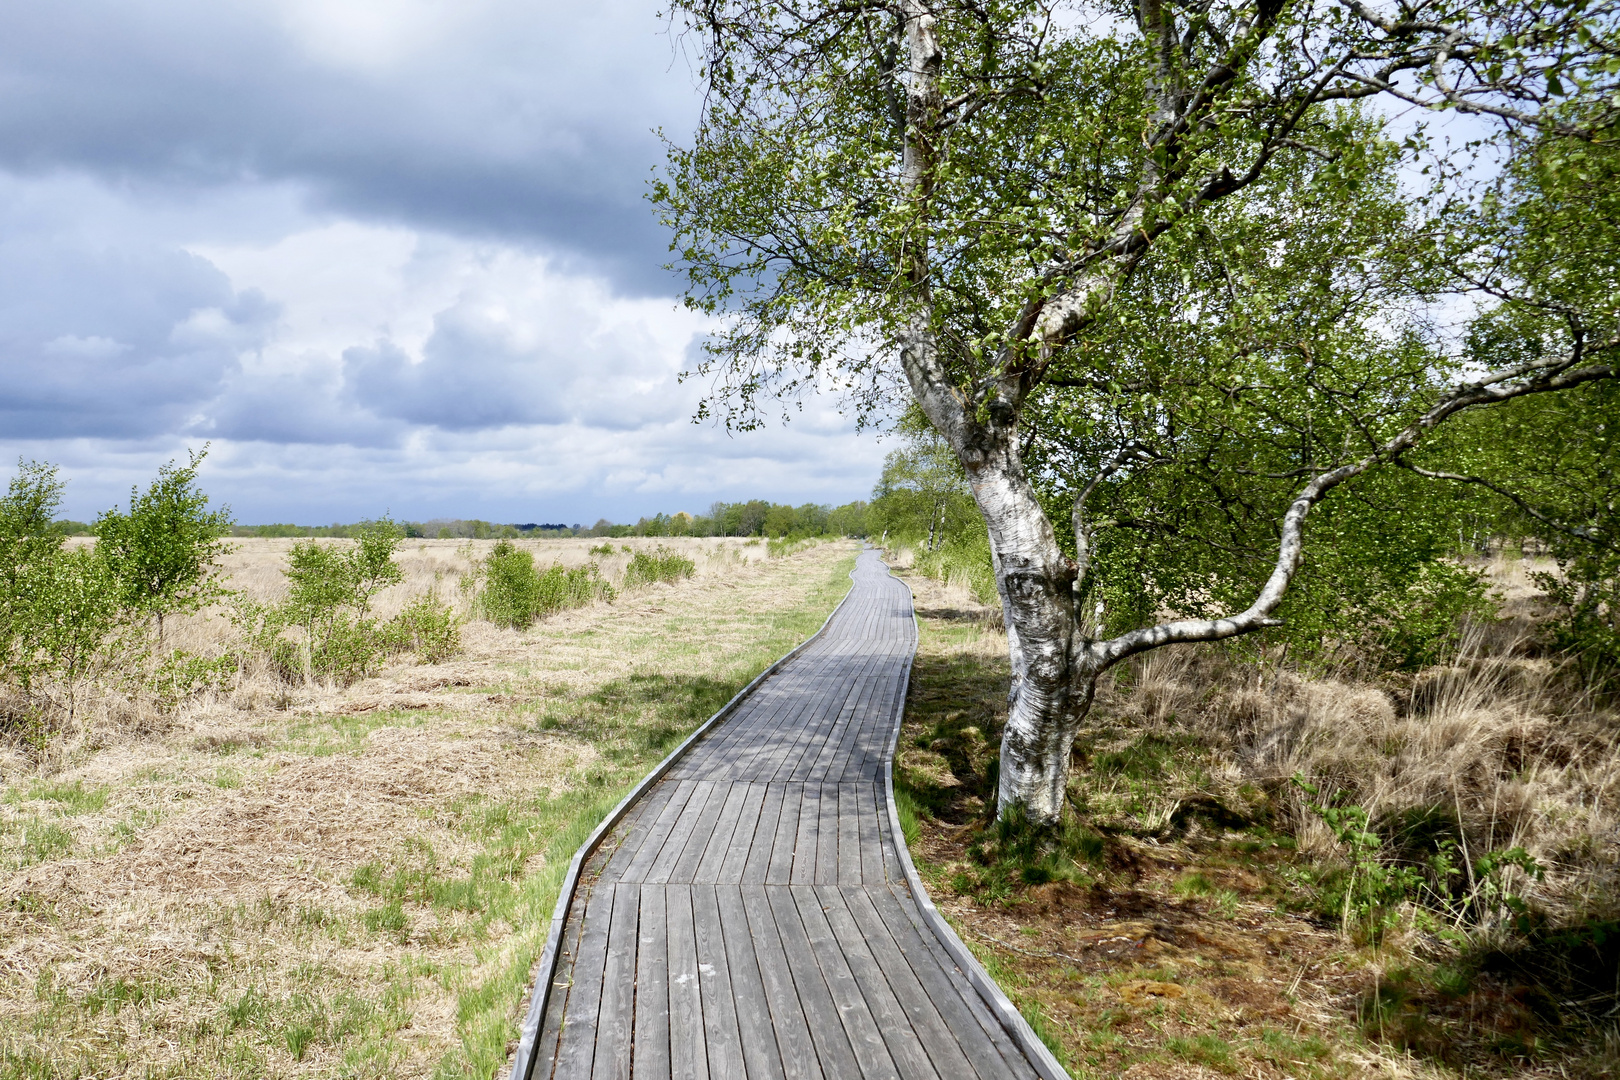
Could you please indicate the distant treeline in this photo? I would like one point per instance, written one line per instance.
(756, 517)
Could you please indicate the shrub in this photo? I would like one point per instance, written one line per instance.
(428, 628)
(962, 560)
(328, 604)
(162, 552)
(661, 564)
(563, 587)
(511, 586)
(62, 621)
(516, 593)
(182, 674)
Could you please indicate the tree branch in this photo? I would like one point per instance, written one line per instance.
(1539, 377)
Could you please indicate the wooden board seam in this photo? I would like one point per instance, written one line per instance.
(528, 1036)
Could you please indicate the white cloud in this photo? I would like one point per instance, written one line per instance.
(385, 254)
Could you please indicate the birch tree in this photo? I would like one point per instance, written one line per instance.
(946, 199)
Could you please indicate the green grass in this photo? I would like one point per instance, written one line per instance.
(634, 721)
(30, 840)
(72, 798)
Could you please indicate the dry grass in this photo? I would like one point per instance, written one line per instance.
(1172, 931)
(282, 880)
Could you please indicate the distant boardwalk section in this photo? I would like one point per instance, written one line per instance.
(749, 918)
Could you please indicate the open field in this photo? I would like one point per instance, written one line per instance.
(1178, 930)
(281, 880)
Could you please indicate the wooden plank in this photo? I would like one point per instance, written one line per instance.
(776, 732)
(917, 996)
(576, 1050)
(742, 837)
(854, 1013)
(658, 832)
(826, 1027)
(719, 837)
(827, 764)
(616, 1017)
(804, 844)
(849, 833)
(791, 1017)
(871, 805)
(827, 836)
(562, 979)
(761, 1051)
(688, 1048)
(651, 1043)
(888, 1012)
(634, 828)
(995, 1054)
(784, 839)
(720, 1030)
(759, 845)
(1010, 1052)
(697, 818)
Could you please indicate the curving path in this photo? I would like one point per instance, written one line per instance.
(750, 916)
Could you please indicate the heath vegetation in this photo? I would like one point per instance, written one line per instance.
(317, 830)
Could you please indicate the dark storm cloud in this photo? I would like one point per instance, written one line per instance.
(113, 342)
(526, 122)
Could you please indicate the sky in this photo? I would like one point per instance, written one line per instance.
(380, 255)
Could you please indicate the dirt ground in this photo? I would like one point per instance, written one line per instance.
(1176, 942)
(281, 880)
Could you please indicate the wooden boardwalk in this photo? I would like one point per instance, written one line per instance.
(750, 918)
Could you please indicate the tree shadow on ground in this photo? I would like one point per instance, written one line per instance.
(652, 712)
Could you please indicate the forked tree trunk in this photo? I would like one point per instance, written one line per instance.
(1049, 693)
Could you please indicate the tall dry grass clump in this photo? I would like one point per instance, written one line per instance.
(1497, 749)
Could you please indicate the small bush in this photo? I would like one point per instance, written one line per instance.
(511, 587)
(661, 564)
(564, 587)
(182, 674)
(516, 593)
(324, 630)
(426, 627)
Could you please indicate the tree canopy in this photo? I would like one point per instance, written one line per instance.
(1153, 272)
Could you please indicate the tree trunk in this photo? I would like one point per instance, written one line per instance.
(1050, 692)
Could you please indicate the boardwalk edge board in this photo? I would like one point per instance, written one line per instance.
(1038, 1053)
(546, 970)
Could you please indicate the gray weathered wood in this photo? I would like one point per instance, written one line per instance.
(752, 918)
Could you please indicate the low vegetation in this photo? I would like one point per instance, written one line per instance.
(268, 868)
(1273, 870)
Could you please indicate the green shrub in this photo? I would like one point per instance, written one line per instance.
(324, 629)
(511, 586)
(661, 564)
(182, 674)
(428, 628)
(570, 587)
(962, 560)
(163, 552)
(63, 622)
(516, 593)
